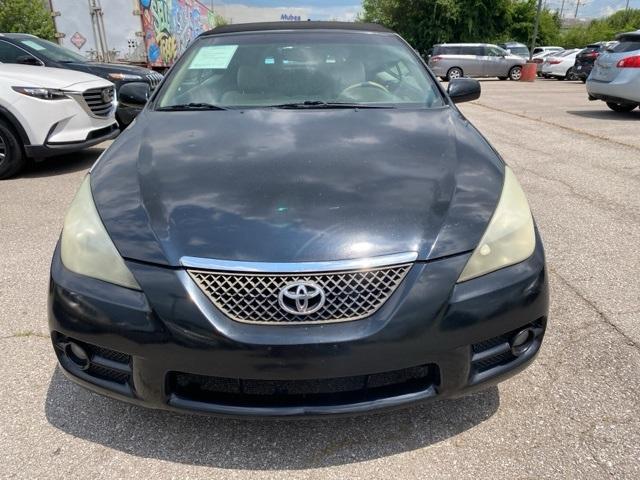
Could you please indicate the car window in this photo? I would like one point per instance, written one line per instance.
(275, 68)
(472, 50)
(495, 52)
(629, 45)
(52, 51)
(10, 53)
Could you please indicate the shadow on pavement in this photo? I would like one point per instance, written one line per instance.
(606, 114)
(258, 444)
(59, 165)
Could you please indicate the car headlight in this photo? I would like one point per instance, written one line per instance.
(41, 93)
(85, 246)
(509, 238)
(124, 76)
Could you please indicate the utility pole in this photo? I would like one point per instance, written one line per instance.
(562, 10)
(577, 7)
(535, 29)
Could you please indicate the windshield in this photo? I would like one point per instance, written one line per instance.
(52, 51)
(522, 51)
(307, 68)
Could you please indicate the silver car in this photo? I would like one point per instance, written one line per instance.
(455, 60)
(615, 77)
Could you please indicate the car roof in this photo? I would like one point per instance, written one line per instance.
(271, 26)
(16, 36)
(629, 36)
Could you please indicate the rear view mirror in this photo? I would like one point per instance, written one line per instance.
(464, 89)
(134, 94)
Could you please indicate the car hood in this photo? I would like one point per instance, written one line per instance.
(104, 69)
(33, 76)
(297, 186)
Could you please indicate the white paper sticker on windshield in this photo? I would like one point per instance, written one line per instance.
(32, 44)
(213, 56)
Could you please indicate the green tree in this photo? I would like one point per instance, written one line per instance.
(602, 29)
(26, 16)
(426, 22)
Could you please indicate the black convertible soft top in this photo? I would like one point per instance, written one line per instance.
(265, 26)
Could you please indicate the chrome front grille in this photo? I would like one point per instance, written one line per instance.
(99, 101)
(154, 79)
(253, 298)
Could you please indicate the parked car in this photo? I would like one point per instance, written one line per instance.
(615, 77)
(312, 228)
(49, 111)
(516, 48)
(586, 58)
(540, 58)
(560, 66)
(30, 50)
(539, 50)
(455, 60)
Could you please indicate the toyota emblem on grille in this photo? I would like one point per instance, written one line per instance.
(301, 298)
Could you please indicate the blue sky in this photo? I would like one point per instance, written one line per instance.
(343, 9)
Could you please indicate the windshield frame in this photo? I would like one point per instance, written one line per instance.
(438, 89)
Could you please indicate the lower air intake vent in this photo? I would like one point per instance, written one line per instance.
(331, 391)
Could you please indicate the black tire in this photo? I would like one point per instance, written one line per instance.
(444, 79)
(515, 73)
(453, 73)
(621, 107)
(583, 79)
(12, 159)
(503, 78)
(571, 75)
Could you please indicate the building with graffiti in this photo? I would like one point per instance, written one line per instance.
(170, 25)
(155, 32)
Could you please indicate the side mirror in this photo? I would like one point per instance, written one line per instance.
(28, 60)
(464, 89)
(134, 95)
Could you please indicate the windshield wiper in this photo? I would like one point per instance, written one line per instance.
(321, 104)
(190, 106)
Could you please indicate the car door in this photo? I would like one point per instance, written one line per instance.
(494, 64)
(472, 61)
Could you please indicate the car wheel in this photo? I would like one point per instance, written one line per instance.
(621, 107)
(12, 159)
(503, 78)
(583, 79)
(515, 73)
(454, 73)
(571, 75)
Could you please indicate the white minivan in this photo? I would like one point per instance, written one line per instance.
(49, 111)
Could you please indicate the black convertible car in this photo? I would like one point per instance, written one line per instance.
(299, 222)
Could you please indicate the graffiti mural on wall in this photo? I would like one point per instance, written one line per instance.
(170, 25)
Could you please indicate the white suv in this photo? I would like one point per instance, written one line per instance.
(49, 111)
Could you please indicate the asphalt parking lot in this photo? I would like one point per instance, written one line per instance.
(573, 414)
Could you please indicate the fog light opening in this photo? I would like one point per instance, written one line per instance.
(77, 355)
(522, 341)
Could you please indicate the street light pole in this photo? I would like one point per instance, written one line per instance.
(535, 30)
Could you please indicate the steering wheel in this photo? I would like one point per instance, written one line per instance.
(368, 84)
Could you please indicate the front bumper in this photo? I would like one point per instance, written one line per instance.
(169, 348)
(94, 137)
